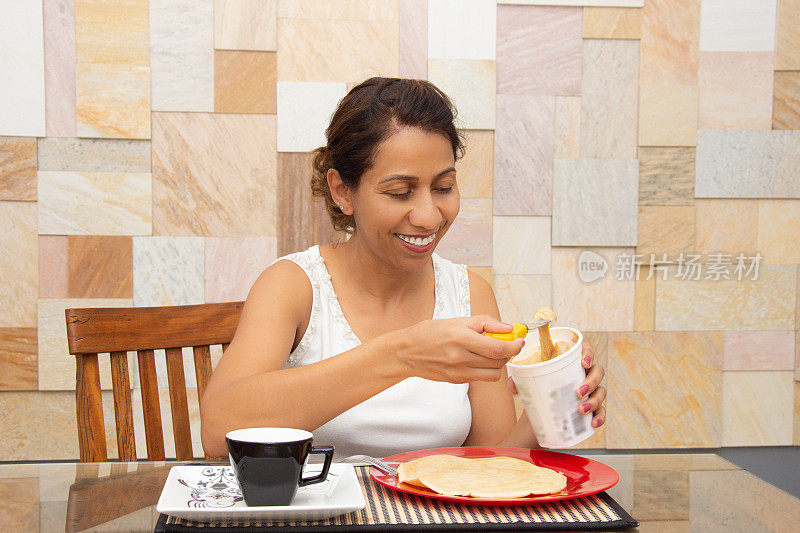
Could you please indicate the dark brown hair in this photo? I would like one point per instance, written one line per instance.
(367, 116)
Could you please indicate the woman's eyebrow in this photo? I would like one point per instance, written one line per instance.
(403, 177)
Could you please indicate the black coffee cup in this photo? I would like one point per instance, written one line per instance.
(268, 463)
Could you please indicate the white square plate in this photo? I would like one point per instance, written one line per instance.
(211, 493)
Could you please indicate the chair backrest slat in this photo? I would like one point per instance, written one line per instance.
(143, 329)
(89, 405)
(179, 405)
(123, 410)
(151, 406)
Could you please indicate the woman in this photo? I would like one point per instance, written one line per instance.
(375, 344)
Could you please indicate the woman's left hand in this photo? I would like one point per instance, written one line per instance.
(591, 390)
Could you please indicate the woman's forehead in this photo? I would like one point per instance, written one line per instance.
(412, 149)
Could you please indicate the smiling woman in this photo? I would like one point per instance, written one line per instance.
(376, 344)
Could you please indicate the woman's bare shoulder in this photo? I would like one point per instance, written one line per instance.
(284, 283)
(481, 295)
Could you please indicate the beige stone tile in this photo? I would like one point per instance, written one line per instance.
(737, 25)
(99, 266)
(339, 9)
(767, 303)
(568, 127)
(18, 168)
(555, 33)
(666, 229)
(94, 203)
(523, 161)
(612, 23)
(413, 22)
(56, 365)
(644, 311)
(787, 45)
(796, 432)
(757, 408)
(52, 266)
(663, 462)
(595, 202)
(667, 115)
(786, 101)
(232, 265)
(245, 82)
(352, 50)
(469, 239)
(797, 352)
(486, 273)
(739, 500)
(245, 25)
(168, 271)
(778, 226)
(42, 426)
(113, 69)
(670, 43)
(59, 67)
(55, 480)
(94, 155)
(747, 164)
(711, 462)
(735, 90)
(758, 350)
(713, 220)
(605, 304)
(521, 245)
(470, 84)
(182, 55)
(670, 411)
(18, 359)
(661, 494)
(304, 112)
(609, 99)
(204, 147)
(476, 168)
(18, 264)
(518, 296)
(297, 208)
(20, 508)
(666, 176)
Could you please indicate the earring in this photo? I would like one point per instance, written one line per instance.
(341, 208)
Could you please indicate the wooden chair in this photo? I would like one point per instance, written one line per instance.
(143, 329)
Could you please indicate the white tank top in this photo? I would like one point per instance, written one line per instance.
(412, 415)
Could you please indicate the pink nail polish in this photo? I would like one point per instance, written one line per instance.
(587, 360)
(585, 408)
(583, 390)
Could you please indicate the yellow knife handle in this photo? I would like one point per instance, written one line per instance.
(519, 332)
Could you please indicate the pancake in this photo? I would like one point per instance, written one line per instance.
(492, 477)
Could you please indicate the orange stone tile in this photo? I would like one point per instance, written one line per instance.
(787, 45)
(476, 168)
(786, 101)
(245, 82)
(644, 310)
(612, 23)
(670, 42)
(486, 273)
(20, 507)
(18, 264)
(666, 229)
(18, 168)
(59, 66)
(674, 380)
(99, 267)
(245, 24)
(714, 220)
(778, 228)
(757, 408)
(735, 90)
(667, 115)
(18, 359)
(52, 266)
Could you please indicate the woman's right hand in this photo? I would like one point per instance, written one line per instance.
(453, 350)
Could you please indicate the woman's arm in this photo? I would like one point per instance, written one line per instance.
(249, 388)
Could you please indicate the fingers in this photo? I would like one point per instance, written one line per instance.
(492, 348)
(599, 417)
(594, 402)
(512, 386)
(587, 355)
(481, 323)
(593, 379)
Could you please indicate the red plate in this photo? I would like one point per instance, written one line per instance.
(584, 476)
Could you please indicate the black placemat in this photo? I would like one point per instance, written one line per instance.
(390, 510)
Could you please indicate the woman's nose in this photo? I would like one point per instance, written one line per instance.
(425, 213)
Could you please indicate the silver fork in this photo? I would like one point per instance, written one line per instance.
(377, 463)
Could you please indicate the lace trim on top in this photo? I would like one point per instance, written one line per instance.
(304, 261)
(463, 290)
(341, 321)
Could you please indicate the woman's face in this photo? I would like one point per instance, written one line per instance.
(408, 199)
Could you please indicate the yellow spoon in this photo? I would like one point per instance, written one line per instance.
(519, 331)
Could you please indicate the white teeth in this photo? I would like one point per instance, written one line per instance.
(418, 241)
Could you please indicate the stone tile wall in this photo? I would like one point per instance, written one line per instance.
(157, 153)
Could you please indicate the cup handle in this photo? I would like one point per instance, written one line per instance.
(328, 451)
